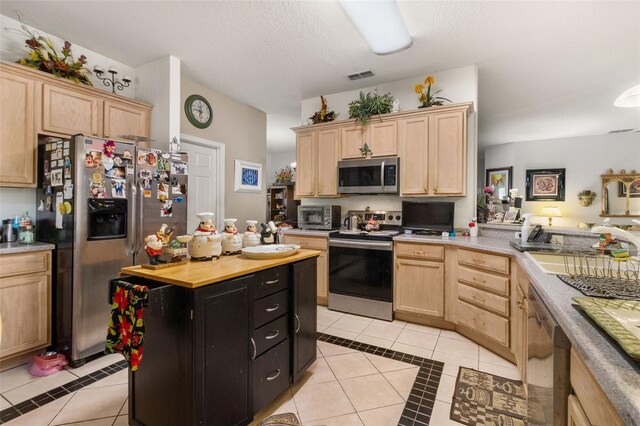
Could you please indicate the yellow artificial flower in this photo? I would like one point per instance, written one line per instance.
(418, 88)
(429, 80)
(423, 97)
(33, 55)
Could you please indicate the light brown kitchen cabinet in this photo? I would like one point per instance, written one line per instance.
(123, 119)
(321, 244)
(18, 142)
(520, 318)
(484, 304)
(317, 155)
(590, 400)
(25, 305)
(69, 112)
(419, 280)
(575, 414)
(380, 136)
(433, 152)
(328, 156)
(352, 140)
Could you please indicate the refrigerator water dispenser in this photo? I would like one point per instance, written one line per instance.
(107, 219)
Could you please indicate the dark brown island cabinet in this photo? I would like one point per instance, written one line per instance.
(217, 354)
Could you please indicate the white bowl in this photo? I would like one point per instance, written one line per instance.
(270, 251)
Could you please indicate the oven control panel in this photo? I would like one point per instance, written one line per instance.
(383, 217)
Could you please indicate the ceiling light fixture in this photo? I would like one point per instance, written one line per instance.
(380, 23)
(629, 98)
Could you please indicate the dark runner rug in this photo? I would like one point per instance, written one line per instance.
(485, 399)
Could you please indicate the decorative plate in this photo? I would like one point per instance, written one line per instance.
(270, 251)
(619, 318)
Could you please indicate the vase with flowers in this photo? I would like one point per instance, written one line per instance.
(491, 209)
(426, 98)
(284, 175)
(43, 56)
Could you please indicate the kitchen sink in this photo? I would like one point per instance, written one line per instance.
(589, 264)
(551, 263)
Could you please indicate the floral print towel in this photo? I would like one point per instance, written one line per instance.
(126, 325)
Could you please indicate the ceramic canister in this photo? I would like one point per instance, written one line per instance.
(231, 240)
(251, 237)
(206, 242)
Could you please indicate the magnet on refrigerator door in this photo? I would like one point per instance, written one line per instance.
(167, 209)
(118, 188)
(56, 177)
(179, 168)
(68, 190)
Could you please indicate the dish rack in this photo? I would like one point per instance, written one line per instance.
(593, 264)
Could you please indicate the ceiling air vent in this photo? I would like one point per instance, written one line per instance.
(359, 75)
(621, 131)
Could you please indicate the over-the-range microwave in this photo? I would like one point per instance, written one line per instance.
(368, 176)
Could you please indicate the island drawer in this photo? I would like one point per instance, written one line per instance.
(491, 325)
(270, 375)
(309, 243)
(270, 308)
(271, 281)
(270, 335)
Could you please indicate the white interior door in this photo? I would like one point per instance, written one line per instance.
(206, 180)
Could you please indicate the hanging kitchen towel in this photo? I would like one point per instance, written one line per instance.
(126, 325)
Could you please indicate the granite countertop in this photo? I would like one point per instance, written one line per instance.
(196, 274)
(11, 248)
(616, 373)
(548, 229)
(307, 232)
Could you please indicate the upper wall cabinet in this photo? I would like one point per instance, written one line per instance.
(18, 143)
(33, 102)
(431, 142)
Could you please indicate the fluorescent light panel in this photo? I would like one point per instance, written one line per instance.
(380, 23)
(630, 98)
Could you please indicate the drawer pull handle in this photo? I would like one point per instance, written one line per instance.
(271, 282)
(273, 308)
(272, 335)
(478, 299)
(273, 376)
(297, 318)
(477, 280)
(482, 262)
(419, 253)
(255, 351)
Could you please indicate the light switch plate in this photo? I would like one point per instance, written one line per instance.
(557, 239)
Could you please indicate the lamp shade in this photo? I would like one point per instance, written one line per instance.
(380, 23)
(629, 98)
(551, 211)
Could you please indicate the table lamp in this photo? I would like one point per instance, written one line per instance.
(551, 212)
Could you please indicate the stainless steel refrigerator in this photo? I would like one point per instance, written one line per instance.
(97, 201)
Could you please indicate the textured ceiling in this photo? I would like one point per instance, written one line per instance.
(546, 69)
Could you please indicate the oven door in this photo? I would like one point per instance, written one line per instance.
(361, 269)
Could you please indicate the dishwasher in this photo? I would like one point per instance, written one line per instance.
(548, 381)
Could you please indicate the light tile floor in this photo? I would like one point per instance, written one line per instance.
(343, 387)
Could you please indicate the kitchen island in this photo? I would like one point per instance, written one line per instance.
(222, 338)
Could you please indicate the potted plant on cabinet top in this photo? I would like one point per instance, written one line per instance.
(426, 98)
(367, 105)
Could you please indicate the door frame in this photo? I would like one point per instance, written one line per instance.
(220, 171)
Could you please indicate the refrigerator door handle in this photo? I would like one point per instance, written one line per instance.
(131, 235)
(140, 239)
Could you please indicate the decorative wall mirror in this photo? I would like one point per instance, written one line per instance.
(620, 194)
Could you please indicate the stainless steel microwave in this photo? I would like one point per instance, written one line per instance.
(319, 217)
(369, 176)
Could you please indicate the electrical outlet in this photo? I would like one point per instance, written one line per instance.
(557, 239)
(517, 234)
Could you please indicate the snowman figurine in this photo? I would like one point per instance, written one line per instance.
(231, 240)
(205, 244)
(251, 237)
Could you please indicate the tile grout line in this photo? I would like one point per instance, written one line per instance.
(62, 408)
(50, 395)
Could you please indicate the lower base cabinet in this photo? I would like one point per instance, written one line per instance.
(217, 354)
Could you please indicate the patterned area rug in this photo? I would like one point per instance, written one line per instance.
(484, 399)
(286, 419)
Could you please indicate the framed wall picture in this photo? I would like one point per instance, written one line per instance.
(500, 179)
(248, 177)
(635, 189)
(545, 184)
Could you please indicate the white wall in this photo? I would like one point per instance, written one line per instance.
(584, 158)
(459, 85)
(159, 85)
(13, 47)
(277, 161)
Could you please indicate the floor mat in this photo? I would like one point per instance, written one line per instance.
(485, 399)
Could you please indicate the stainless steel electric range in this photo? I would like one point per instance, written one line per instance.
(361, 266)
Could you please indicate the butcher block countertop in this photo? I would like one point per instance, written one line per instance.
(196, 274)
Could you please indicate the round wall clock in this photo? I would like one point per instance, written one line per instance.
(198, 111)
